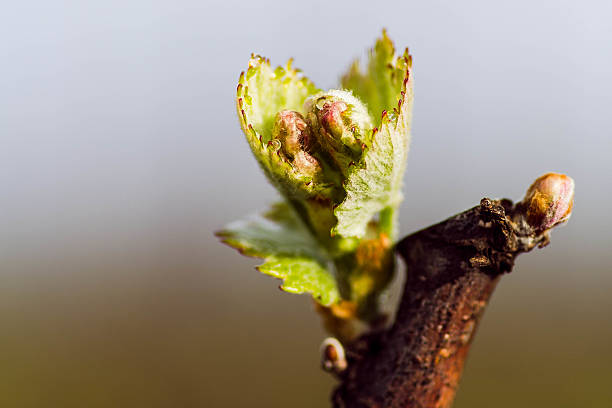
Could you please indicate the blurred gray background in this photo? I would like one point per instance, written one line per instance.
(121, 153)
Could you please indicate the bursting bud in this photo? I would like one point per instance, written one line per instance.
(549, 201)
(292, 136)
(341, 123)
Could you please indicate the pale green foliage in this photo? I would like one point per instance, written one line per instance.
(376, 182)
(267, 91)
(341, 182)
(289, 251)
(262, 92)
(380, 86)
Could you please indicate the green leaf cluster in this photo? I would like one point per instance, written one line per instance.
(329, 216)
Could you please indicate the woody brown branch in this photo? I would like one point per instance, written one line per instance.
(452, 269)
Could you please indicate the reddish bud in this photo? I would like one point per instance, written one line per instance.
(292, 131)
(341, 124)
(331, 118)
(549, 201)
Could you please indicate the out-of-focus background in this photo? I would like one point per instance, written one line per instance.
(120, 154)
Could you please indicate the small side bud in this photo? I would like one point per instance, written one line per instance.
(341, 124)
(549, 201)
(333, 358)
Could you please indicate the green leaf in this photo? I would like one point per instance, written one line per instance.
(262, 92)
(289, 251)
(374, 184)
(303, 275)
(379, 87)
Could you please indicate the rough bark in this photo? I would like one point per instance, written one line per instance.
(451, 271)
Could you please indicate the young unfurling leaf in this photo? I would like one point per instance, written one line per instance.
(375, 183)
(289, 251)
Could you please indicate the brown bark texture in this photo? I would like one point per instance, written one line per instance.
(451, 271)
